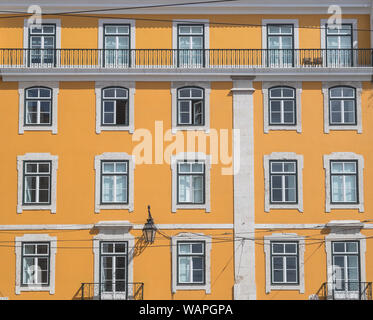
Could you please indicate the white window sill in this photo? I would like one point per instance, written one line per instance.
(34, 288)
(192, 207)
(113, 207)
(286, 206)
(35, 207)
(193, 287)
(285, 128)
(296, 287)
(360, 207)
(40, 128)
(115, 128)
(345, 127)
(190, 128)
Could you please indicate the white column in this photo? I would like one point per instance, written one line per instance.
(244, 209)
(371, 24)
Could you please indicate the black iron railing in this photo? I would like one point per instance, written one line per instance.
(185, 58)
(342, 290)
(112, 291)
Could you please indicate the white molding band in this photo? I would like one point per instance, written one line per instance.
(53, 186)
(360, 166)
(358, 89)
(191, 237)
(57, 22)
(52, 262)
(283, 156)
(131, 22)
(175, 85)
(267, 250)
(113, 231)
(243, 186)
(131, 183)
(190, 156)
(298, 105)
(130, 85)
(22, 86)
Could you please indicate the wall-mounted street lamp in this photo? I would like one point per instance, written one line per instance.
(149, 229)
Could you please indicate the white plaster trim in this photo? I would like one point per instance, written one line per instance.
(190, 156)
(175, 85)
(57, 22)
(22, 86)
(283, 156)
(101, 22)
(267, 251)
(298, 105)
(113, 233)
(206, 32)
(360, 164)
(243, 184)
(131, 182)
(53, 195)
(343, 234)
(130, 85)
(358, 91)
(289, 226)
(191, 237)
(323, 23)
(52, 262)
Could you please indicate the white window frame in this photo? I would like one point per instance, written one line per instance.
(52, 262)
(358, 91)
(360, 163)
(324, 22)
(102, 22)
(113, 231)
(341, 230)
(294, 22)
(175, 85)
(109, 156)
(22, 86)
(191, 237)
(57, 22)
(283, 156)
(267, 250)
(191, 156)
(53, 185)
(130, 85)
(298, 101)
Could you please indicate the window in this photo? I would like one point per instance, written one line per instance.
(113, 264)
(38, 104)
(346, 265)
(190, 102)
(283, 181)
(35, 263)
(191, 182)
(190, 45)
(280, 42)
(343, 176)
(37, 182)
(282, 106)
(284, 258)
(114, 179)
(344, 185)
(38, 107)
(115, 107)
(42, 41)
(191, 262)
(284, 262)
(342, 102)
(342, 106)
(190, 106)
(116, 44)
(339, 43)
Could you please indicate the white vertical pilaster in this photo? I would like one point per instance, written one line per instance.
(371, 24)
(244, 209)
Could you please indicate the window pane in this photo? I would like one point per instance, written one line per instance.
(107, 248)
(108, 189)
(29, 249)
(337, 188)
(351, 247)
(184, 248)
(291, 276)
(198, 189)
(290, 248)
(338, 247)
(184, 269)
(185, 189)
(121, 188)
(277, 248)
(108, 167)
(197, 248)
(337, 167)
(350, 188)
(197, 167)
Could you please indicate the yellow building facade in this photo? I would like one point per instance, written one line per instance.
(245, 126)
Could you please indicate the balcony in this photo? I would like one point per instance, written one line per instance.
(351, 290)
(104, 291)
(244, 59)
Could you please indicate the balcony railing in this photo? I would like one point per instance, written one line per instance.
(342, 290)
(112, 291)
(185, 58)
